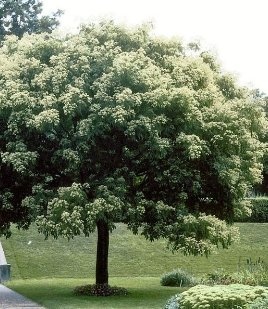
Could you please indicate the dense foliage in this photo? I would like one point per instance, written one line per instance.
(255, 273)
(259, 210)
(114, 125)
(25, 16)
(218, 296)
(260, 303)
(264, 186)
(178, 277)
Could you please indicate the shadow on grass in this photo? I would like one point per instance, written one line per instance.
(144, 293)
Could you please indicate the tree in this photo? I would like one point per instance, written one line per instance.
(265, 172)
(264, 186)
(25, 16)
(262, 99)
(115, 125)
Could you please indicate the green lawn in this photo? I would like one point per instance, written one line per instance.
(57, 293)
(135, 264)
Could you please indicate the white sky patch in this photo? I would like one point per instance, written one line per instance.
(235, 29)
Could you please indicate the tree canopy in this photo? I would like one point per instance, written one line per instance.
(116, 125)
(264, 186)
(25, 16)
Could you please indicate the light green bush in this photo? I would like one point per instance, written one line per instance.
(231, 296)
(259, 303)
(178, 277)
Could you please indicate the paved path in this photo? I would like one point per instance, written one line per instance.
(12, 300)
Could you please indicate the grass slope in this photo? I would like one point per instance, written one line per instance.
(132, 256)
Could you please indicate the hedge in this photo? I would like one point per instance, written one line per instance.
(259, 210)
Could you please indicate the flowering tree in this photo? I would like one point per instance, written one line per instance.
(114, 125)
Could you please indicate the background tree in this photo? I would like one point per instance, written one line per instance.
(25, 16)
(262, 99)
(264, 185)
(265, 174)
(114, 125)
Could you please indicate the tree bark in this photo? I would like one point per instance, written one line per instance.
(102, 253)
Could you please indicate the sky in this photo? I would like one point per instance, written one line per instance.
(236, 30)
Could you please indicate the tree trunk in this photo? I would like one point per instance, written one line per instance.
(102, 253)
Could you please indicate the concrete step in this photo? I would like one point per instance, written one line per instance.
(4, 267)
(3, 260)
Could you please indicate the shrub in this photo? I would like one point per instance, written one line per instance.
(259, 303)
(99, 290)
(259, 210)
(178, 277)
(254, 273)
(220, 296)
(218, 277)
